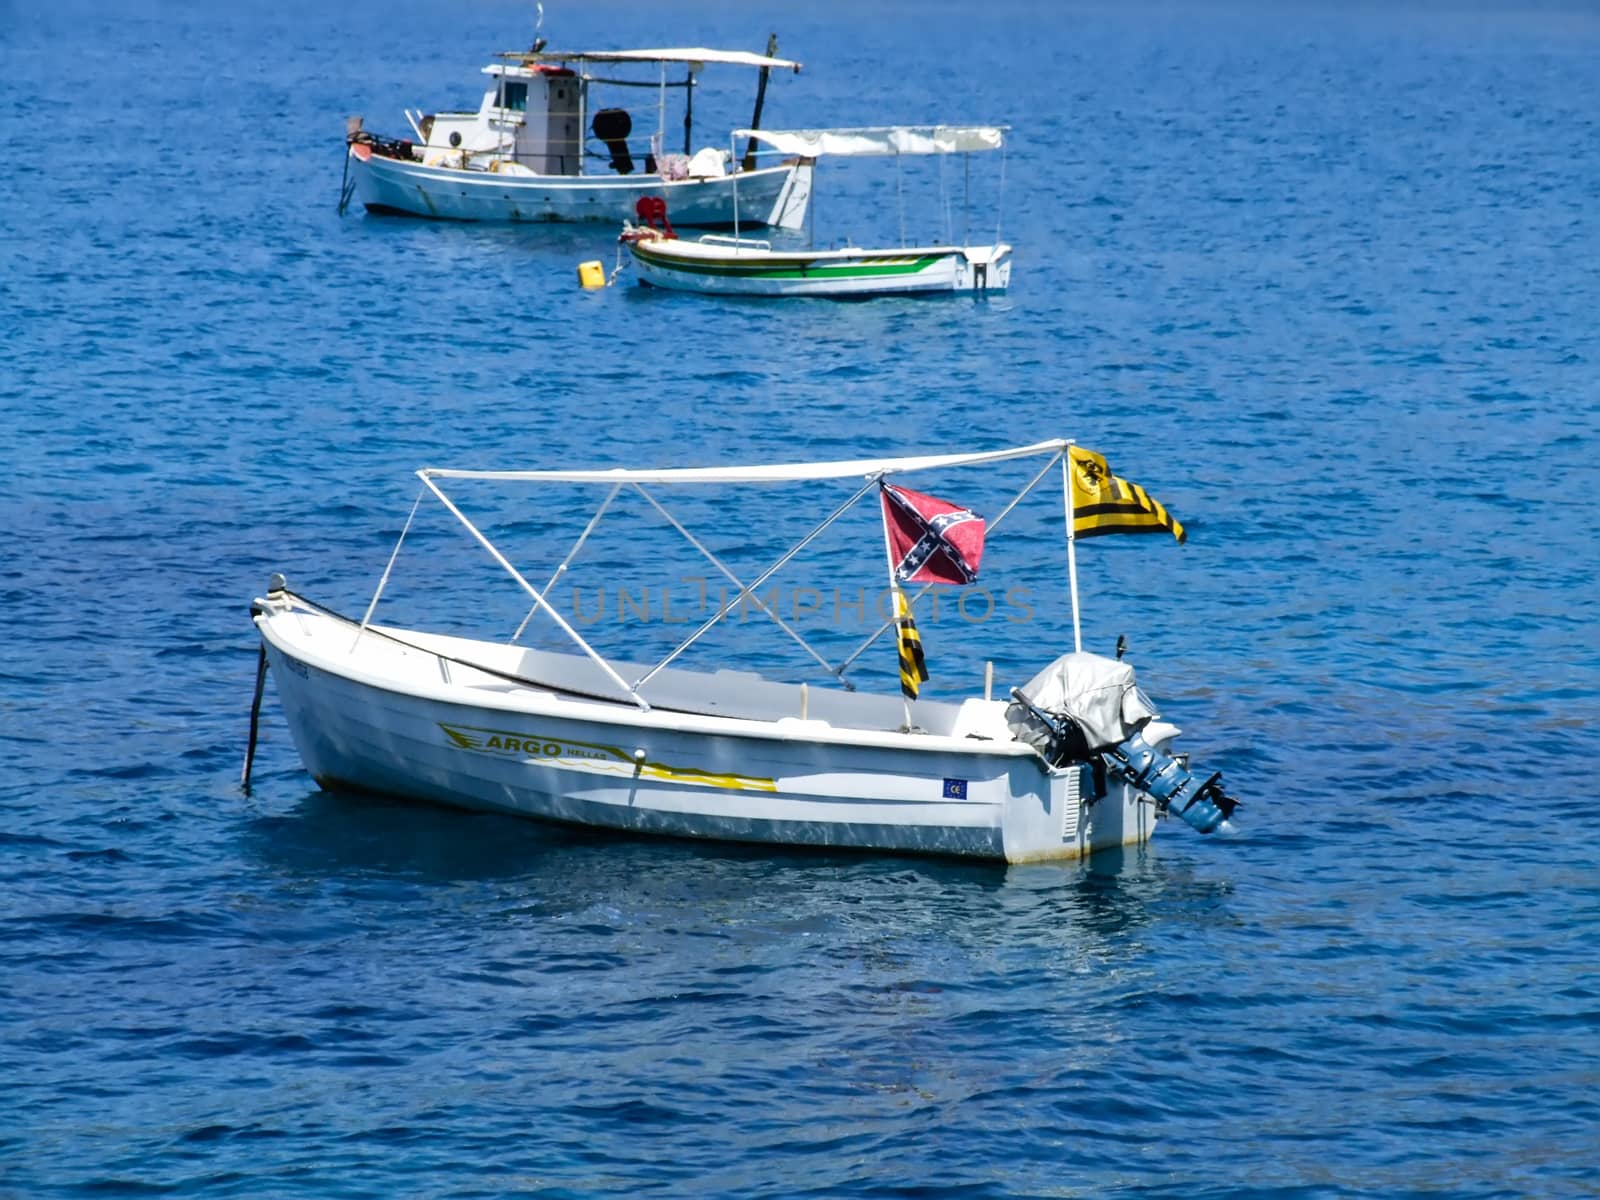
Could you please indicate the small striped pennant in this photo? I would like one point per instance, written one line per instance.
(913, 666)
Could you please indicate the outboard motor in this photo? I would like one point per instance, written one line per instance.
(612, 126)
(1085, 708)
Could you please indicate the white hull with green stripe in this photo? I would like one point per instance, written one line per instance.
(745, 267)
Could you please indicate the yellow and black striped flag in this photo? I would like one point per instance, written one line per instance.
(913, 667)
(1105, 503)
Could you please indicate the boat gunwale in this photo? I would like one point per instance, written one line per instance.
(920, 266)
(703, 247)
(652, 248)
(532, 701)
(416, 168)
(802, 269)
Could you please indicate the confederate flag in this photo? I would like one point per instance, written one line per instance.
(931, 540)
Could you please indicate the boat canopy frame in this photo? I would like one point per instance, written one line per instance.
(689, 56)
(693, 58)
(880, 141)
(888, 141)
(871, 472)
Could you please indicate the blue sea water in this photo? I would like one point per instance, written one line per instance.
(1323, 277)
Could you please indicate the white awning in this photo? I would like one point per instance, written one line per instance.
(781, 473)
(880, 140)
(690, 54)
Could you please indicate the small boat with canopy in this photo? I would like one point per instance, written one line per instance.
(747, 266)
(1073, 761)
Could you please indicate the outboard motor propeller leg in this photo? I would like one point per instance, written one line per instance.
(1172, 785)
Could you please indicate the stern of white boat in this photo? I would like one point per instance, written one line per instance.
(984, 268)
(788, 211)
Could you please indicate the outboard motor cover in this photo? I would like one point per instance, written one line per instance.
(1097, 695)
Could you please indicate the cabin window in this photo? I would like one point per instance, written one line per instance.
(514, 96)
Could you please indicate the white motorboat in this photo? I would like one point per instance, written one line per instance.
(538, 149)
(744, 266)
(1072, 762)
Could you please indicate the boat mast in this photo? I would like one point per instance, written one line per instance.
(749, 163)
(1072, 542)
(659, 142)
(923, 591)
(899, 598)
(500, 102)
(688, 107)
(583, 117)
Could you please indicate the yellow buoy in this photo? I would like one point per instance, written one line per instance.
(591, 274)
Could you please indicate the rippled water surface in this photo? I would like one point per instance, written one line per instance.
(1324, 281)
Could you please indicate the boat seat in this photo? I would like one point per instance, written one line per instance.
(982, 719)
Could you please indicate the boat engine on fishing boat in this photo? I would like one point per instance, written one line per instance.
(1088, 709)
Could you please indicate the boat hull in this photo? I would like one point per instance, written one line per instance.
(789, 783)
(734, 270)
(769, 196)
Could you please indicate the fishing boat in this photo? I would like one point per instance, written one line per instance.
(744, 266)
(538, 148)
(1075, 760)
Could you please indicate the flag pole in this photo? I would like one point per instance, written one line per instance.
(1072, 542)
(894, 589)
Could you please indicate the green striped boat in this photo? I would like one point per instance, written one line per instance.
(737, 266)
(747, 267)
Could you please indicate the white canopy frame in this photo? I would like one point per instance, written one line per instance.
(566, 562)
(749, 588)
(776, 473)
(538, 597)
(693, 58)
(880, 141)
(870, 471)
(734, 579)
(890, 141)
(688, 55)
